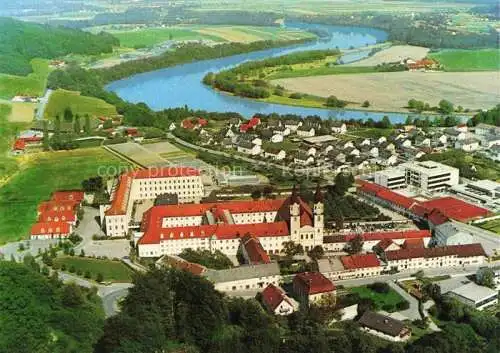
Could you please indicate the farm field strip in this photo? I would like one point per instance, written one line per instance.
(392, 54)
(31, 85)
(468, 60)
(61, 99)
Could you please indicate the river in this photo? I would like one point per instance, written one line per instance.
(182, 85)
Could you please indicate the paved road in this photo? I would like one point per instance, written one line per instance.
(412, 312)
(111, 299)
(42, 104)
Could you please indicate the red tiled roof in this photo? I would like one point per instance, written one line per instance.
(181, 264)
(202, 122)
(413, 243)
(467, 250)
(273, 296)
(64, 205)
(385, 243)
(68, 196)
(32, 139)
(254, 250)
(254, 121)
(455, 209)
(42, 228)
(120, 200)
(410, 234)
(385, 194)
(313, 283)
(131, 131)
(57, 216)
(19, 145)
(187, 124)
(154, 233)
(360, 261)
(244, 127)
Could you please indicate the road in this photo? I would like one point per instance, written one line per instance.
(412, 312)
(42, 104)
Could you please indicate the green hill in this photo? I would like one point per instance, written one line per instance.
(22, 41)
(62, 99)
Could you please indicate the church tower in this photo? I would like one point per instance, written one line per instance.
(294, 216)
(319, 221)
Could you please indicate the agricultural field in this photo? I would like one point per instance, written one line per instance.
(43, 174)
(61, 99)
(112, 271)
(468, 60)
(22, 112)
(148, 37)
(30, 85)
(393, 54)
(466, 22)
(392, 91)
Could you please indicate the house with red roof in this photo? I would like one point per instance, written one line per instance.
(170, 261)
(411, 259)
(312, 287)
(252, 250)
(276, 301)
(18, 147)
(358, 266)
(50, 230)
(251, 124)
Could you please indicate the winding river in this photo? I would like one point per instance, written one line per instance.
(182, 85)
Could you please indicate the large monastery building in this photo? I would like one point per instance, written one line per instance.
(220, 225)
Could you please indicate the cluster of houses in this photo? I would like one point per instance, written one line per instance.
(57, 216)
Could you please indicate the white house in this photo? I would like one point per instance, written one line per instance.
(249, 148)
(306, 131)
(171, 127)
(311, 151)
(339, 127)
(382, 140)
(467, 145)
(303, 158)
(281, 130)
(277, 138)
(274, 153)
(293, 125)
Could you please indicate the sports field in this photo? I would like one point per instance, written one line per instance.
(493, 226)
(468, 60)
(42, 174)
(30, 85)
(82, 105)
(112, 271)
(391, 91)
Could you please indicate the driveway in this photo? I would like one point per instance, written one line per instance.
(412, 312)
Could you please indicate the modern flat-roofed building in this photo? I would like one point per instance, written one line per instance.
(473, 295)
(429, 176)
(484, 192)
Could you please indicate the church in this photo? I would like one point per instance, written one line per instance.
(169, 229)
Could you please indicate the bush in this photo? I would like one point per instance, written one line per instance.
(99, 278)
(72, 269)
(71, 252)
(295, 95)
(379, 287)
(87, 274)
(388, 307)
(63, 267)
(404, 305)
(365, 104)
(79, 272)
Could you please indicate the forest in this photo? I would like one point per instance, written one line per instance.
(21, 41)
(44, 315)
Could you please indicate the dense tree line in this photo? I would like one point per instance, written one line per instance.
(491, 117)
(424, 29)
(234, 80)
(22, 41)
(185, 53)
(234, 17)
(40, 314)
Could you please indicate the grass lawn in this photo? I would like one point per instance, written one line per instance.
(468, 60)
(383, 301)
(22, 112)
(61, 99)
(38, 177)
(113, 271)
(306, 101)
(30, 85)
(493, 226)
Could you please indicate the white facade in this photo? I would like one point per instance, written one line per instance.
(306, 132)
(420, 263)
(276, 156)
(277, 138)
(450, 233)
(253, 151)
(394, 178)
(475, 296)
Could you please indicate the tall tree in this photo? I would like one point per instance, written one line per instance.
(76, 124)
(68, 115)
(87, 127)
